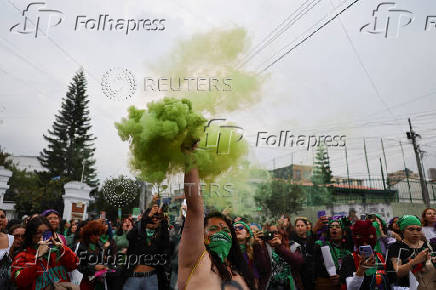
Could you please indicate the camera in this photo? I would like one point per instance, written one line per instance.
(267, 236)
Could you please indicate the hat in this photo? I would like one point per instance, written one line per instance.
(24, 217)
(50, 211)
(408, 220)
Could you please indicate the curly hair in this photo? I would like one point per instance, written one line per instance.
(94, 227)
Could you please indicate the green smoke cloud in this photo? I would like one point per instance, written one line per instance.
(158, 134)
(215, 54)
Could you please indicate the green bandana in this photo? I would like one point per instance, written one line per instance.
(243, 247)
(377, 247)
(92, 246)
(408, 220)
(246, 226)
(150, 233)
(220, 244)
(104, 238)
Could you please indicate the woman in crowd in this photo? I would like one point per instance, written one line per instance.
(70, 233)
(306, 245)
(429, 223)
(383, 240)
(6, 242)
(148, 240)
(209, 252)
(335, 241)
(394, 230)
(42, 263)
(92, 256)
(412, 254)
(255, 253)
(54, 218)
(17, 231)
(285, 264)
(121, 235)
(364, 270)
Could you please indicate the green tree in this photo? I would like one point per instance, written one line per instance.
(70, 149)
(279, 197)
(321, 192)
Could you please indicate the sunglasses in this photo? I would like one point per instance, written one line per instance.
(239, 228)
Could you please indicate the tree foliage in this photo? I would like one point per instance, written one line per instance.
(70, 148)
(278, 197)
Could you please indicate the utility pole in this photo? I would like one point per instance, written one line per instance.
(412, 136)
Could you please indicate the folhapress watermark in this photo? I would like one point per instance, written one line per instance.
(287, 139)
(220, 140)
(37, 17)
(389, 19)
(104, 22)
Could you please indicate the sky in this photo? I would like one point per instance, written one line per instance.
(343, 77)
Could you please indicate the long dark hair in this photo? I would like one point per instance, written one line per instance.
(235, 256)
(32, 229)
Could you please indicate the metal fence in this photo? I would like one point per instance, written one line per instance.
(407, 190)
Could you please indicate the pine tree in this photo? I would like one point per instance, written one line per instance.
(321, 193)
(70, 147)
(322, 173)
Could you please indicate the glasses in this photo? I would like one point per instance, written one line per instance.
(19, 236)
(217, 228)
(414, 229)
(239, 228)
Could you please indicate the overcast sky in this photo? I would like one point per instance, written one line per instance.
(340, 81)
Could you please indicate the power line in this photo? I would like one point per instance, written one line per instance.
(309, 36)
(266, 42)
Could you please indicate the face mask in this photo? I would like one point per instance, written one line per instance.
(220, 244)
(150, 233)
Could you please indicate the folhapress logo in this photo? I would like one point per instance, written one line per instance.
(36, 17)
(388, 20)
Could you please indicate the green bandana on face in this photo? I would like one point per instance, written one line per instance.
(150, 233)
(408, 220)
(220, 244)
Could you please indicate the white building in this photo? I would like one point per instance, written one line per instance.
(76, 200)
(8, 207)
(28, 163)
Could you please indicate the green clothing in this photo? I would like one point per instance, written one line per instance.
(281, 272)
(122, 241)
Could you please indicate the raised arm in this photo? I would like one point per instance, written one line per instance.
(192, 242)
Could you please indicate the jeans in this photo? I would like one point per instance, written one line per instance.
(141, 283)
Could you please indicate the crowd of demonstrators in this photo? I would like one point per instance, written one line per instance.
(202, 249)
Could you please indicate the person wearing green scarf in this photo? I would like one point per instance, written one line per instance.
(360, 270)
(284, 263)
(209, 252)
(412, 255)
(335, 236)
